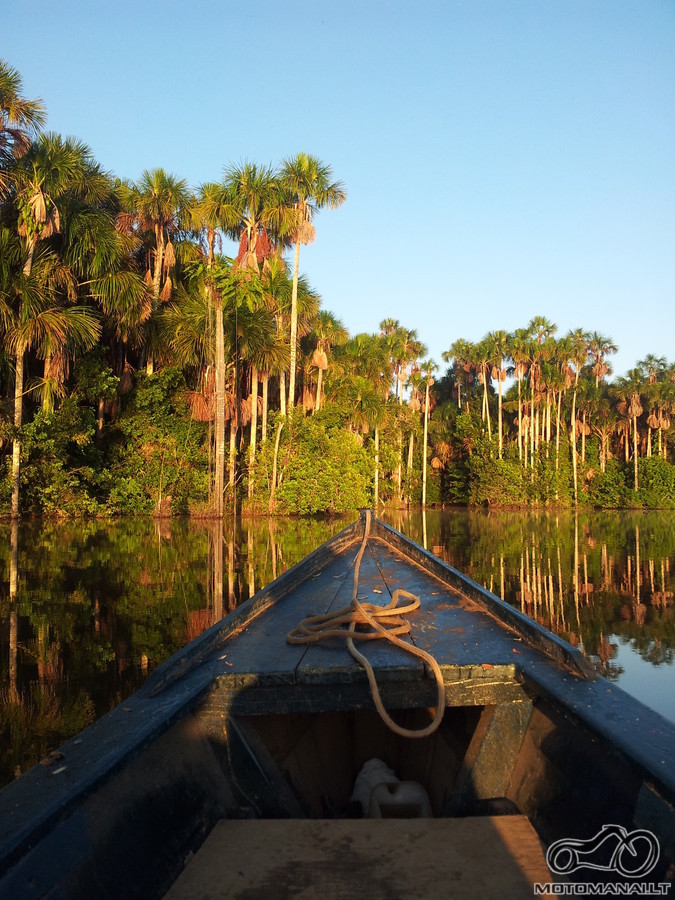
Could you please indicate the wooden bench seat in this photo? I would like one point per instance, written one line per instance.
(379, 859)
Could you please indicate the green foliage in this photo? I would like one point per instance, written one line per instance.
(155, 450)
(128, 497)
(58, 475)
(496, 482)
(94, 380)
(152, 451)
(324, 470)
(656, 479)
(606, 489)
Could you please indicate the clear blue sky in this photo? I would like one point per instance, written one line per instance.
(503, 158)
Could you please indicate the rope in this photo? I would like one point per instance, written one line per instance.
(361, 615)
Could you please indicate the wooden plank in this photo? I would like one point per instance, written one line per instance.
(455, 630)
(380, 859)
(334, 697)
(259, 652)
(488, 764)
(330, 660)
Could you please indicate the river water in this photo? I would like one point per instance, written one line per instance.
(87, 609)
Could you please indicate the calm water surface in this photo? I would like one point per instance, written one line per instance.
(88, 609)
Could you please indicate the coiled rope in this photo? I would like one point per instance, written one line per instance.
(344, 622)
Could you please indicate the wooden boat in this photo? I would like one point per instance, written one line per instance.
(231, 772)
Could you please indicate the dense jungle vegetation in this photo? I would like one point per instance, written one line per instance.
(144, 371)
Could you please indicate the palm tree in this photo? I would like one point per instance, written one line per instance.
(462, 352)
(52, 171)
(388, 330)
(628, 390)
(654, 369)
(308, 185)
(499, 344)
(666, 407)
(599, 347)
(408, 349)
(210, 213)
(329, 331)
(249, 333)
(540, 347)
(271, 360)
(577, 355)
(424, 381)
(482, 352)
(19, 120)
(364, 355)
(257, 214)
(277, 288)
(259, 219)
(155, 207)
(604, 424)
(521, 358)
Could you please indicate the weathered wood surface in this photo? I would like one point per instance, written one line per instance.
(383, 859)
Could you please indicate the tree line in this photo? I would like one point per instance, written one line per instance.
(560, 417)
(145, 370)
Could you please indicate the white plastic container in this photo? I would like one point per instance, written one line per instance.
(401, 800)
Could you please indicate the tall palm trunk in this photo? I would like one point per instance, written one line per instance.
(14, 613)
(583, 436)
(635, 453)
(424, 449)
(282, 394)
(486, 404)
(254, 427)
(499, 415)
(275, 460)
(294, 327)
(533, 414)
(16, 442)
(399, 468)
(18, 398)
(573, 438)
(265, 378)
(557, 430)
(376, 491)
(520, 418)
(411, 444)
(319, 385)
(219, 477)
(233, 449)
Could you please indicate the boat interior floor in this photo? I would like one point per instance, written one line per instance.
(386, 859)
